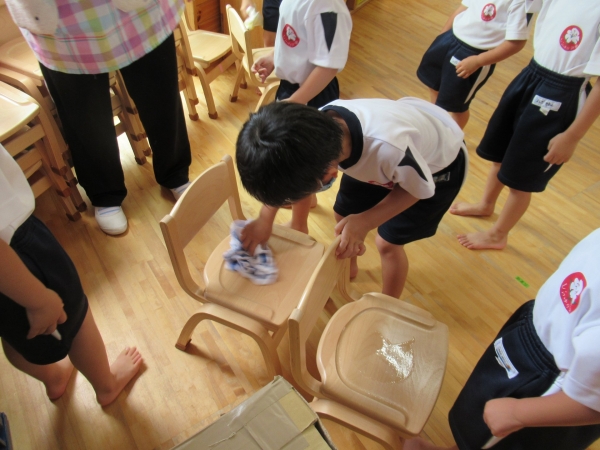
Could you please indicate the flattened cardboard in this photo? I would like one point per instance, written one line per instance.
(274, 418)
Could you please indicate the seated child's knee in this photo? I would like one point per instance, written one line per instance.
(386, 248)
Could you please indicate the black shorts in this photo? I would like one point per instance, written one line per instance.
(49, 263)
(421, 220)
(330, 93)
(537, 371)
(438, 72)
(270, 13)
(519, 131)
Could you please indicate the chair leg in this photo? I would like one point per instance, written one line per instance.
(210, 102)
(76, 197)
(137, 145)
(238, 79)
(359, 423)
(238, 322)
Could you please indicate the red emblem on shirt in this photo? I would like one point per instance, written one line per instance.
(488, 12)
(571, 289)
(290, 37)
(571, 38)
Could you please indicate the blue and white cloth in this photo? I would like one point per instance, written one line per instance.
(260, 268)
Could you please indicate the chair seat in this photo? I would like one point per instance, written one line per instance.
(296, 255)
(385, 358)
(256, 54)
(17, 55)
(208, 47)
(16, 110)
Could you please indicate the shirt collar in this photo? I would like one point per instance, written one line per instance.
(356, 134)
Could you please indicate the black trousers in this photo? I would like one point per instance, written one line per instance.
(84, 107)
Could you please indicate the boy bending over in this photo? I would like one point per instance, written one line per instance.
(537, 387)
(404, 162)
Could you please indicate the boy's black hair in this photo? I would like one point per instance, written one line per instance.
(284, 150)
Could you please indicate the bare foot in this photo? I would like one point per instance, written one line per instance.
(301, 228)
(471, 209)
(353, 268)
(62, 371)
(124, 368)
(482, 240)
(313, 202)
(421, 444)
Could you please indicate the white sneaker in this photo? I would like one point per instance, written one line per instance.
(178, 191)
(111, 219)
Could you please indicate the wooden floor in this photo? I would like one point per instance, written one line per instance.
(136, 299)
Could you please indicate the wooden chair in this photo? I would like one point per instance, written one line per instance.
(185, 70)
(22, 133)
(17, 58)
(261, 312)
(211, 55)
(381, 360)
(241, 44)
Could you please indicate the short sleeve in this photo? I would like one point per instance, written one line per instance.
(593, 65)
(582, 381)
(329, 39)
(413, 175)
(517, 24)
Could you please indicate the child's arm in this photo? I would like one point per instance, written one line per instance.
(562, 146)
(467, 66)
(507, 415)
(264, 66)
(450, 20)
(318, 79)
(259, 231)
(354, 228)
(44, 306)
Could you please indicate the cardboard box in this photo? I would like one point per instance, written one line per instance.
(274, 418)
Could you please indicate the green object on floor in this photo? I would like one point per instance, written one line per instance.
(522, 281)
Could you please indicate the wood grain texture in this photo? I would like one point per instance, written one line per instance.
(136, 299)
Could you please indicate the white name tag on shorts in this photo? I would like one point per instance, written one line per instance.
(545, 104)
(504, 360)
(454, 60)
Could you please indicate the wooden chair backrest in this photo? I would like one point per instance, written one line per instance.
(193, 210)
(326, 276)
(241, 39)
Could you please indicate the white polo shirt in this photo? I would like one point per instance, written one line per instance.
(16, 197)
(399, 142)
(487, 24)
(567, 38)
(566, 317)
(311, 33)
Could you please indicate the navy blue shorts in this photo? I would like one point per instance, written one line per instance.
(520, 129)
(48, 262)
(438, 72)
(330, 93)
(537, 371)
(270, 11)
(421, 220)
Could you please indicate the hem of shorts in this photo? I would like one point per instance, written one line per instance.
(485, 156)
(519, 186)
(426, 82)
(386, 237)
(455, 435)
(452, 109)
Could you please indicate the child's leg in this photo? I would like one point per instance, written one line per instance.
(433, 95)
(88, 355)
(394, 266)
(54, 376)
(300, 212)
(497, 236)
(354, 259)
(485, 207)
(421, 444)
(461, 118)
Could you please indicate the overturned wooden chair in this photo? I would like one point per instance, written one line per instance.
(381, 361)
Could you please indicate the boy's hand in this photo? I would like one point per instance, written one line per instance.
(255, 233)
(560, 149)
(467, 66)
(43, 320)
(263, 67)
(499, 415)
(353, 234)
